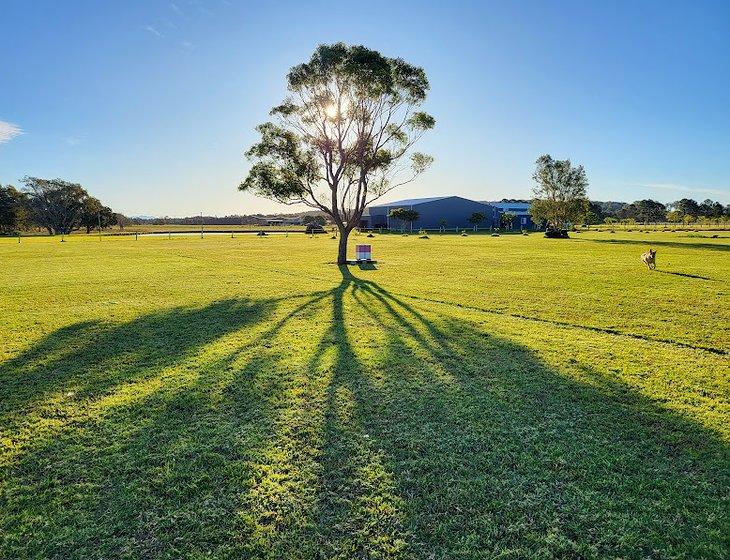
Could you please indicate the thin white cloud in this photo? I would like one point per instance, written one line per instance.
(152, 30)
(8, 131)
(72, 141)
(175, 8)
(684, 188)
(187, 45)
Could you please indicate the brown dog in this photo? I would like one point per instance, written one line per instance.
(649, 259)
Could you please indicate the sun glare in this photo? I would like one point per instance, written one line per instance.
(331, 111)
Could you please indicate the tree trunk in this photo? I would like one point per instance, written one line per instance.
(342, 246)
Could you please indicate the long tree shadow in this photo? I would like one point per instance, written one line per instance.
(357, 425)
(154, 475)
(89, 358)
(468, 444)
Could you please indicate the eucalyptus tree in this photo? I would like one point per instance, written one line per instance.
(405, 216)
(94, 214)
(507, 219)
(475, 219)
(57, 205)
(13, 209)
(560, 192)
(343, 137)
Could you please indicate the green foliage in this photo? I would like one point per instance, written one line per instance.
(476, 218)
(560, 192)
(404, 215)
(61, 206)
(711, 209)
(94, 215)
(314, 219)
(351, 117)
(194, 398)
(507, 219)
(13, 210)
(57, 205)
(686, 206)
(644, 211)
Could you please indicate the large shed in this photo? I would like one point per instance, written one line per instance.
(520, 208)
(455, 211)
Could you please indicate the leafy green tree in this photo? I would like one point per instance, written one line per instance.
(57, 205)
(686, 206)
(609, 220)
(644, 211)
(94, 214)
(507, 219)
(711, 209)
(475, 219)
(560, 192)
(404, 215)
(342, 135)
(13, 209)
(594, 214)
(314, 219)
(674, 216)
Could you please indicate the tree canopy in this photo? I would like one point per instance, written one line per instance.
(343, 136)
(644, 211)
(507, 219)
(476, 218)
(94, 214)
(56, 204)
(13, 209)
(560, 192)
(405, 215)
(61, 206)
(686, 206)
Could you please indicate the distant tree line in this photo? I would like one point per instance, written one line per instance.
(560, 199)
(685, 211)
(55, 205)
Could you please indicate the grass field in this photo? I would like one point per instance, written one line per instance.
(467, 397)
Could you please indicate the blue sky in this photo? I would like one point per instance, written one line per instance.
(150, 105)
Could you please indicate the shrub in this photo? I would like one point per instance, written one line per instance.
(556, 233)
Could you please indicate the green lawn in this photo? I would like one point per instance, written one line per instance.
(468, 397)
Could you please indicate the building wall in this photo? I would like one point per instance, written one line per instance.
(455, 210)
(521, 210)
